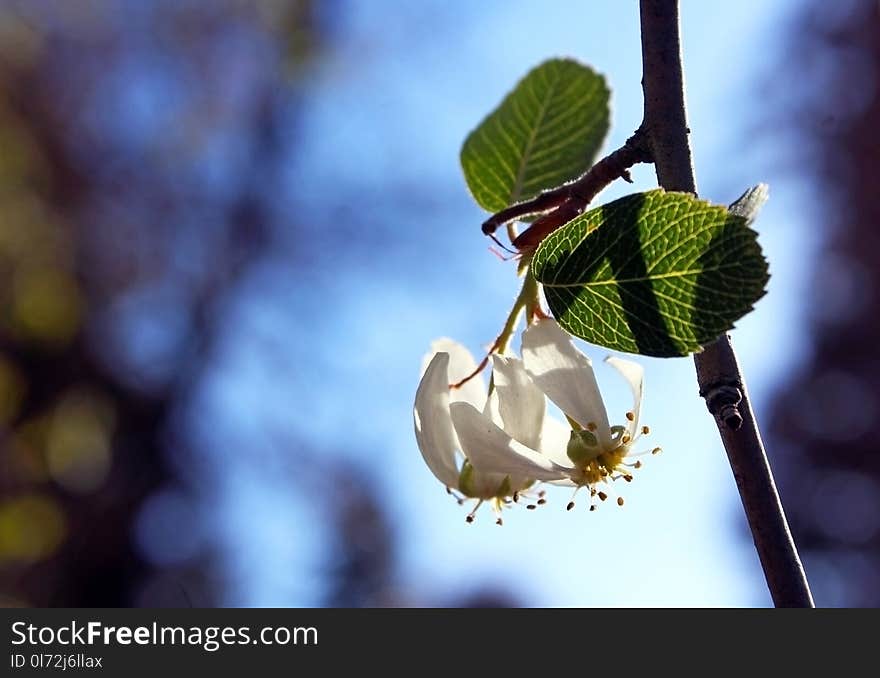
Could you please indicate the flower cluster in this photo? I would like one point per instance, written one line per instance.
(495, 448)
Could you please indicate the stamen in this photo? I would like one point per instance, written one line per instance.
(472, 515)
(459, 498)
(570, 505)
(631, 416)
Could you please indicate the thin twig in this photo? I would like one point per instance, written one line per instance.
(718, 372)
(567, 201)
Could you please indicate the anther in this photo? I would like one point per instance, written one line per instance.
(592, 507)
(620, 501)
(531, 507)
(646, 430)
(591, 426)
(630, 416)
(603, 496)
(499, 522)
(469, 518)
(638, 464)
(628, 478)
(656, 450)
(542, 493)
(542, 501)
(570, 506)
(626, 438)
(515, 497)
(592, 491)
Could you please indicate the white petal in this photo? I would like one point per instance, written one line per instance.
(565, 375)
(554, 441)
(520, 403)
(461, 364)
(433, 425)
(491, 450)
(635, 377)
(492, 409)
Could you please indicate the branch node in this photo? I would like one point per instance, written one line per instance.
(723, 401)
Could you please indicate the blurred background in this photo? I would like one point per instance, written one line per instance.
(230, 229)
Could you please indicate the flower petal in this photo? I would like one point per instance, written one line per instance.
(520, 403)
(635, 377)
(554, 441)
(565, 374)
(490, 449)
(461, 364)
(433, 425)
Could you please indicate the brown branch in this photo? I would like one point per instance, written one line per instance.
(572, 198)
(718, 372)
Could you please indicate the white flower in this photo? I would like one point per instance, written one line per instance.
(586, 453)
(515, 408)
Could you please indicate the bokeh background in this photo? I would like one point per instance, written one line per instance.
(230, 229)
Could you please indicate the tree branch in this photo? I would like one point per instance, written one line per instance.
(718, 372)
(569, 200)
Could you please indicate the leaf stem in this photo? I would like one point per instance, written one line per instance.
(718, 373)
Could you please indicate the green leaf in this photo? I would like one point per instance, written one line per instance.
(547, 131)
(656, 273)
